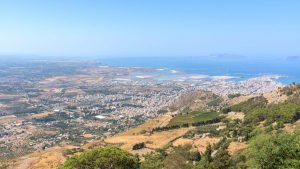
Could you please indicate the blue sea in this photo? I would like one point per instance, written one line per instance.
(243, 67)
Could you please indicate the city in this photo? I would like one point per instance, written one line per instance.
(94, 103)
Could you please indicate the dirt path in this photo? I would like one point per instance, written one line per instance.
(166, 120)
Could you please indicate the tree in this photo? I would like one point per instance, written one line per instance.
(206, 159)
(102, 158)
(275, 151)
(138, 146)
(181, 158)
(222, 159)
(207, 154)
(153, 161)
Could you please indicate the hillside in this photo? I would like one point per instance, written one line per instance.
(231, 133)
(245, 134)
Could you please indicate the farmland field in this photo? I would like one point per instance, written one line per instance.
(193, 117)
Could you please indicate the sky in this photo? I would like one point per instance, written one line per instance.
(149, 27)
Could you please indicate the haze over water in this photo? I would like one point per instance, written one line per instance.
(243, 67)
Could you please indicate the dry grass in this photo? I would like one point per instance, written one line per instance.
(88, 135)
(77, 79)
(137, 135)
(53, 157)
(158, 139)
(235, 115)
(153, 141)
(148, 125)
(53, 79)
(291, 127)
(182, 141)
(94, 123)
(40, 115)
(199, 143)
(239, 99)
(236, 146)
(275, 97)
(9, 119)
(202, 143)
(141, 151)
(48, 159)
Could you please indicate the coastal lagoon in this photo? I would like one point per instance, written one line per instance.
(284, 69)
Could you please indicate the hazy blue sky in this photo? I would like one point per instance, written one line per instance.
(149, 27)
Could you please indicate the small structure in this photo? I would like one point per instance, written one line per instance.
(100, 117)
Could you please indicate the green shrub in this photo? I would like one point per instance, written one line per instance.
(274, 151)
(153, 161)
(102, 158)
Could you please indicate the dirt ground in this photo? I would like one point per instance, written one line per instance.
(275, 97)
(53, 157)
(48, 159)
(202, 143)
(153, 141)
(40, 115)
(182, 141)
(236, 146)
(141, 134)
(149, 125)
(199, 143)
(235, 115)
(9, 119)
(239, 99)
(292, 127)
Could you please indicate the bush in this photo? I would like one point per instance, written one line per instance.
(256, 102)
(102, 158)
(181, 157)
(231, 96)
(274, 151)
(138, 146)
(211, 160)
(153, 161)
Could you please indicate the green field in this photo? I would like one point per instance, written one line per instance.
(192, 117)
